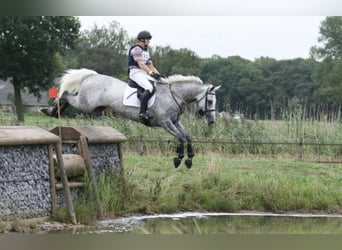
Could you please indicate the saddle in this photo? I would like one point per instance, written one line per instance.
(133, 93)
(140, 90)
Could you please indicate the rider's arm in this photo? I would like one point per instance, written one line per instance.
(147, 67)
(152, 68)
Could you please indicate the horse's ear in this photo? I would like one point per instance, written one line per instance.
(214, 88)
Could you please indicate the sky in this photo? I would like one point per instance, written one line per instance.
(251, 37)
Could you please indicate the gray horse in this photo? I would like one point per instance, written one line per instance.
(88, 91)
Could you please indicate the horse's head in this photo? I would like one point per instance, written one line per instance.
(207, 103)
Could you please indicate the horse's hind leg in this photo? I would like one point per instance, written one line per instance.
(63, 104)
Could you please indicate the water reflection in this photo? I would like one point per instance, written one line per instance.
(242, 225)
(216, 223)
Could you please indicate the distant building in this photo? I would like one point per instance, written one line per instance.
(30, 102)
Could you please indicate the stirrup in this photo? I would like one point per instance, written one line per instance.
(145, 116)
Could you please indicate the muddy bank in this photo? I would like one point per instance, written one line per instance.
(40, 225)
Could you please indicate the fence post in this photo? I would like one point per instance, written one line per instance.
(168, 142)
(300, 148)
(141, 145)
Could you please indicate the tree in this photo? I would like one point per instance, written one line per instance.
(29, 47)
(330, 39)
(328, 75)
(328, 72)
(261, 88)
(286, 80)
(239, 79)
(104, 49)
(175, 61)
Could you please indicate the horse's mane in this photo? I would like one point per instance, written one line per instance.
(182, 79)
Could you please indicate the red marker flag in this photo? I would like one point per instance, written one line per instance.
(53, 93)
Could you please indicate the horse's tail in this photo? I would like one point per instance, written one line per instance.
(72, 79)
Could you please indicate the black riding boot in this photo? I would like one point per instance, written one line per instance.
(143, 115)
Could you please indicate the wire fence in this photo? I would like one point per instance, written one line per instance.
(313, 151)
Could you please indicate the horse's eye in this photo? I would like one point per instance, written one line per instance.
(201, 112)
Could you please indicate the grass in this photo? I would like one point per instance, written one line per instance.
(19, 226)
(218, 184)
(224, 177)
(246, 137)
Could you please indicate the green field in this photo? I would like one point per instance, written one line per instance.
(219, 179)
(217, 183)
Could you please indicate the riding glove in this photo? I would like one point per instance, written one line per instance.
(156, 75)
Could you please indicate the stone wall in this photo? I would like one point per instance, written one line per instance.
(24, 180)
(25, 185)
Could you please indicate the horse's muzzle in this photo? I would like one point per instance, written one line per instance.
(211, 122)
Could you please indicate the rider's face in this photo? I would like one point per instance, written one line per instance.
(146, 42)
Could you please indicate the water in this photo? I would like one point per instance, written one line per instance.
(220, 223)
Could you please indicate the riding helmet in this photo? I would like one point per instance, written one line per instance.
(144, 35)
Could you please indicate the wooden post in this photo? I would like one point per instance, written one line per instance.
(64, 179)
(122, 178)
(141, 145)
(168, 143)
(52, 180)
(86, 157)
(300, 148)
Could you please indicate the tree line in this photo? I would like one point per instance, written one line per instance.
(35, 50)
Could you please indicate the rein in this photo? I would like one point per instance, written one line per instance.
(174, 98)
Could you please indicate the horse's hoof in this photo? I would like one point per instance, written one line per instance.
(188, 163)
(176, 162)
(146, 122)
(45, 111)
(48, 112)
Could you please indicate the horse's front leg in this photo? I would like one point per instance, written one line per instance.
(189, 149)
(191, 154)
(173, 130)
(180, 151)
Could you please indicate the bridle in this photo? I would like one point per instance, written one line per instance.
(206, 110)
(200, 112)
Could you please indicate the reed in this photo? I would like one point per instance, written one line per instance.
(292, 137)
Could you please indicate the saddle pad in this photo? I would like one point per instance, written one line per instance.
(130, 98)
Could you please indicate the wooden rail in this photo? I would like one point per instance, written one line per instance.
(298, 147)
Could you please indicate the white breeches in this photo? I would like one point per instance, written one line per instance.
(141, 78)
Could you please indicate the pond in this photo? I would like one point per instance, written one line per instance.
(219, 223)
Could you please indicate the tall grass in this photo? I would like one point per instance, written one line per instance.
(217, 184)
(290, 137)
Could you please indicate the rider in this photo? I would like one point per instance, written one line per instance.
(141, 69)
